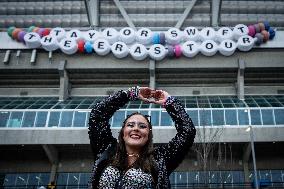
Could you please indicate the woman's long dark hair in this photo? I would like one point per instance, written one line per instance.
(146, 159)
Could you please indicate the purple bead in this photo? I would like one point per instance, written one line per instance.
(257, 28)
(21, 36)
(266, 25)
(259, 38)
(171, 52)
(162, 38)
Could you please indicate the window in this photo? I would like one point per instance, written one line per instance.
(134, 104)
(43, 178)
(84, 178)
(118, 118)
(34, 179)
(166, 119)
(216, 105)
(261, 102)
(155, 117)
(144, 105)
(276, 176)
(66, 119)
(29, 119)
(279, 118)
(79, 119)
(193, 177)
(181, 179)
(243, 117)
(74, 180)
(10, 180)
(238, 176)
(62, 179)
(191, 105)
(172, 177)
(71, 106)
(4, 116)
(47, 106)
(83, 106)
(255, 117)
(205, 117)
(22, 179)
(88, 117)
(193, 114)
(265, 175)
(218, 117)
(129, 112)
(41, 119)
(15, 119)
(54, 119)
(203, 105)
(267, 117)
(22, 106)
(202, 176)
(214, 179)
(227, 177)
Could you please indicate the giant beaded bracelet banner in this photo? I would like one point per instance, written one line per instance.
(143, 43)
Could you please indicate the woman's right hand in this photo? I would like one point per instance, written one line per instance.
(145, 94)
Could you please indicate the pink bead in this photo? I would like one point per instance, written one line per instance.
(251, 29)
(178, 51)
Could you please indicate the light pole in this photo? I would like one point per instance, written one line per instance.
(249, 129)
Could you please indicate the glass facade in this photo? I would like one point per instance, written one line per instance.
(205, 111)
(159, 117)
(188, 101)
(187, 179)
(25, 179)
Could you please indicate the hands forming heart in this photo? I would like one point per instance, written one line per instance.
(153, 96)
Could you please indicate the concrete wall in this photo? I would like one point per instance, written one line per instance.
(161, 135)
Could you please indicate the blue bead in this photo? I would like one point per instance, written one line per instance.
(271, 33)
(266, 25)
(88, 47)
(156, 38)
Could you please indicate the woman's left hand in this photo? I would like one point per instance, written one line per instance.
(160, 97)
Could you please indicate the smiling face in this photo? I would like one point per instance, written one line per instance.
(135, 133)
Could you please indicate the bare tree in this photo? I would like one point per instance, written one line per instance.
(207, 137)
(225, 159)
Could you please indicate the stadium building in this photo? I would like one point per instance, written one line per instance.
(236, 102)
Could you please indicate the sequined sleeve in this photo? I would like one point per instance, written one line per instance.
(99, 128)
(175, 151)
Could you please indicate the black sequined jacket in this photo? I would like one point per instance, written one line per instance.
(167, 156)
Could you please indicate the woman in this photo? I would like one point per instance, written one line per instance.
(132, 162)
